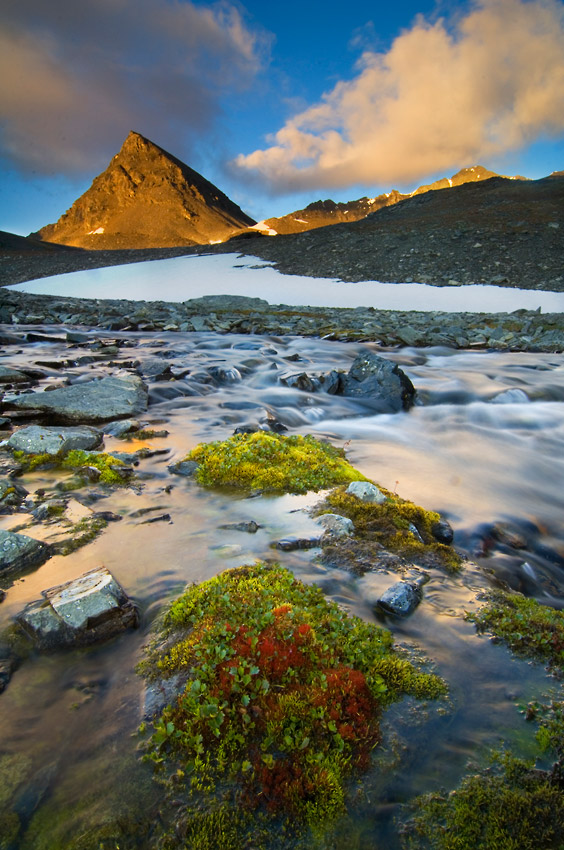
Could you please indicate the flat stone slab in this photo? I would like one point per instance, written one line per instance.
(37, 440)
(12, 376)
(91, 608)
(17, 552)
(93, 401)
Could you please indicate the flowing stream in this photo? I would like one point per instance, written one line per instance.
(484, 445)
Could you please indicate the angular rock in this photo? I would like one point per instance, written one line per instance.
(379, 383)
(336, 525)
(91, 608)
(37, 440)
(366, 492)
(188, 468)
(121, 427)
(401, 598)
(92, 401)
(301, 381)
(17, 552)
(12, 494)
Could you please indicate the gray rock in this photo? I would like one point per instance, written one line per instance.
(301, 381)
(188, 468)
(292, 542)
(17, 552)
(156, 368)
(12, 376)
(366, 492)
(88, 609)
(401, 598)
(37, 440)
(12, 494)
(250, 526)
(336, 525)
(379, 383)
(92, 401)
(225, 375)
(121, 427)
(226, 302)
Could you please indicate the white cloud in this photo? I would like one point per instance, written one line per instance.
(77, 76)
(443, 96)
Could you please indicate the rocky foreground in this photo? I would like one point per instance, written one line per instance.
(522, 330)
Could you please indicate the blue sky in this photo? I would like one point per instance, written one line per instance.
(278, 104)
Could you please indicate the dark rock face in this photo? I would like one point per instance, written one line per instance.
(17, 552)
(378, 382)
(147, 198)
(88, 609)
(93, 401)
(401, 598)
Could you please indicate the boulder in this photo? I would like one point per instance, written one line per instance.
(401, 598)
(92, 401)
(91, 608)
(17, 552)
(366, 492)
(379, 383)
(336, 525)
(37, 440)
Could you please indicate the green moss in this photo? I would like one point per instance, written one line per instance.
(266, 461)
(283, 698)
(388, 525)
(9, 829)
(510, 806)
(82, 533)
(106, 463)
(525, 625)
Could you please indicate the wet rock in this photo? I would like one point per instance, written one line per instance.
(301, 381)
(121, 427)
(366, 492)
(8, 664)
(508, 536)
(291, 543)
(12, 376)
(250, 526)
(12, 495)
(379, 383)
(91, 608)
(442, 532)
(336, 525)
(37, 440)
(188, 468)
(92, 401)
(18, 552)
(401, 598)
(514, 396)
(225, 375)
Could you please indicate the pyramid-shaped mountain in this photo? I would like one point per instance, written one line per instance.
(146, 198)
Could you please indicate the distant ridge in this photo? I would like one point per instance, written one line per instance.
(324, 213)
(147, 198)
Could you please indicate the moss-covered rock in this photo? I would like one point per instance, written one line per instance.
(526, 626)
(272, 462)
(282, 695)
(108, 465)
(393, 525)
(509, 806)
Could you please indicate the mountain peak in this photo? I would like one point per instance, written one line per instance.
(147, 198)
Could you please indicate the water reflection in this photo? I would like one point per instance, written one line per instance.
(182, 278)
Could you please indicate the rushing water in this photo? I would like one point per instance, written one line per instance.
(485, 445)
(182, 278)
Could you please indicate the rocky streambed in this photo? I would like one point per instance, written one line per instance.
(113, 510)
(521, 330)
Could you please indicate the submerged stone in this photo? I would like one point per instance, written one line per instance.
(86, 610)
(37, 440)
(92, 401)
(17, 551)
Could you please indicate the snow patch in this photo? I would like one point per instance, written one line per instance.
(301, 220)
(263, 227)
(97, 231)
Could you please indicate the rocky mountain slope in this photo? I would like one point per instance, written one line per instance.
(323, 213)
(499, 231)
(146, 198)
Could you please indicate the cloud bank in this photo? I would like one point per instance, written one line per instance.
(77, 76)
(445, 95)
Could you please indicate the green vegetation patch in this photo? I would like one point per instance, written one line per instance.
(107, 464)
(283, 696)
(265, 461)
(510, 806)
(396, 524)
(525, 625)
